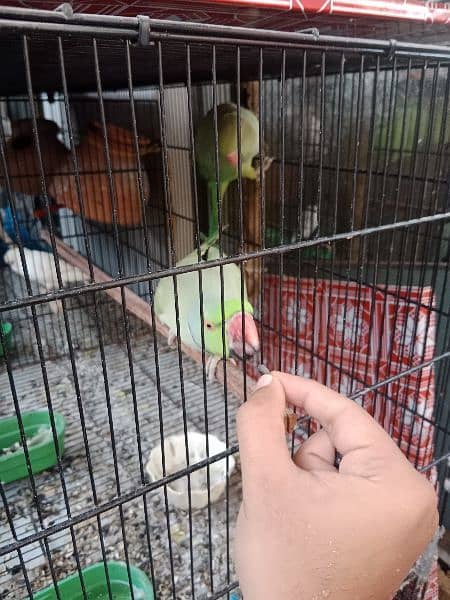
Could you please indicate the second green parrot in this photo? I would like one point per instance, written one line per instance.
(227, 141)
(189, 315)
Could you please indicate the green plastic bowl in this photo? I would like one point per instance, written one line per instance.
(6, 331)
(42, 455)
(94, 578)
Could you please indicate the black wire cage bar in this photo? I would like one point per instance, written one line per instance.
(339, 243)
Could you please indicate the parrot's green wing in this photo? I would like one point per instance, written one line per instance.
(163, 297)
(231, 279)
(214, 204)
(187, 288)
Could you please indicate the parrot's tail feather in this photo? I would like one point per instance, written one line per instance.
(213, 223)
(214, 205)
(210, 240)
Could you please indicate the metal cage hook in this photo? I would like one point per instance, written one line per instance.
(312, 31)
(144, 31)
(66, 9)
(393, 43)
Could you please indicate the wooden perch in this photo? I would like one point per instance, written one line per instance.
(141, 310)
(252, 218)
(253, 236)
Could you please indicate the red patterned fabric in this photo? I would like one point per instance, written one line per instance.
(233, 12)
(350, 337)
(432, 592)
(416, 10)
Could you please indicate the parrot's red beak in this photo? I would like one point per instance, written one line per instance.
(250, 345)
(233, 159)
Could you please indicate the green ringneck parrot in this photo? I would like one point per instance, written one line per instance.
(406, 128)
(227, 119)
(189, 309)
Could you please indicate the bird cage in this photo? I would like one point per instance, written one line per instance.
(329, 259)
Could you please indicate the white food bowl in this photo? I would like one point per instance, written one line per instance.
(175, 457)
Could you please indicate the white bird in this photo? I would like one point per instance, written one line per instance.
(309, 224)
(42, 270)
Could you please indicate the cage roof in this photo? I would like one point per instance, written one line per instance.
(50, 32)
(363, 17)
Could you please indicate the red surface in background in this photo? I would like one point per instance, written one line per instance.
(256, 12)
(349, 337)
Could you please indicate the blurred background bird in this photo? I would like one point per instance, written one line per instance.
(32, 215)
(41, 268)
(309, 224)
(189, 309)
(227, 142)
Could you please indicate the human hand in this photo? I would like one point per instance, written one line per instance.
(307, 531)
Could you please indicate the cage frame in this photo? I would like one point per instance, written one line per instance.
(144, 31)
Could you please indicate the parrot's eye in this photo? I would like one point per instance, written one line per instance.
(208, 325)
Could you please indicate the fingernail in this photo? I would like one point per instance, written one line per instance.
(263, 381)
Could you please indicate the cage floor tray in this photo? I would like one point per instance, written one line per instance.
(41, 446)
(94, 578)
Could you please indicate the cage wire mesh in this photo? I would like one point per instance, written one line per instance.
(342, 241)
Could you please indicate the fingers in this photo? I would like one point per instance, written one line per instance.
(349, 427)
(317, 453)
(261, 433)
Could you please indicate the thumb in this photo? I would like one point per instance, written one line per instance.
(261, 434)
